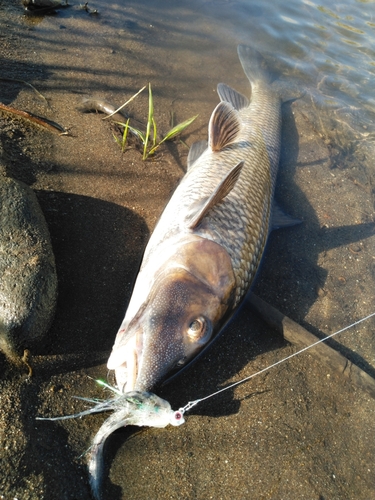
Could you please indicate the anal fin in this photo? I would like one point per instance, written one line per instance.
(280, 219)
(225, 186)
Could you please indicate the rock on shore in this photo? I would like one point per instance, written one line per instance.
(28, 280)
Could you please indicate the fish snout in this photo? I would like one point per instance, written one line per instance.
(124, 358)
(164, 350)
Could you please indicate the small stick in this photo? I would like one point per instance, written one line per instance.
(34, 119)
(300, 337)
(26, 83)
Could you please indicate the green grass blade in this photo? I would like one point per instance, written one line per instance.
(154, 131)
(138, 133)
(150, 104)
(125, 135)
(122, 142)
(149, 121)
(116, 139)
(178, 129)
(173, 132)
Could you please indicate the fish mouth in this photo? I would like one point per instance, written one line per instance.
(126, 373)
(142, 368)
(125, 358)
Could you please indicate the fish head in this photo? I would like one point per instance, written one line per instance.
(190, 299)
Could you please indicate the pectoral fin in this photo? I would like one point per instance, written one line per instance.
(226, 185)
(224, 126)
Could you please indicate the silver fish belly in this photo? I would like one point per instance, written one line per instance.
(206, 248)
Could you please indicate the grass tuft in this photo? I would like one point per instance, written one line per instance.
(150, 136)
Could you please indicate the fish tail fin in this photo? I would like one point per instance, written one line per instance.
(257, 71)
(254, 65)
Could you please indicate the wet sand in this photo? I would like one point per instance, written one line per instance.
(295, 432)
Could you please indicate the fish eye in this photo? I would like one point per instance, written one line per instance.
(197, 329)
(181, 362)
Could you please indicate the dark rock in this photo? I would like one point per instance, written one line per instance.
(28, 280)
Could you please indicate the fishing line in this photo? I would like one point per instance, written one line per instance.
(191, 404)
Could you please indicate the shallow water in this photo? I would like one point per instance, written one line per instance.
(298, 432)
(185, 49)
(331, 47)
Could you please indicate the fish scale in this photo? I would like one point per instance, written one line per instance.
(240, 222)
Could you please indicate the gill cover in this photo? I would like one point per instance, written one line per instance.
(191, 297)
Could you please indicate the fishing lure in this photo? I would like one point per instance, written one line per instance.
(130, 408)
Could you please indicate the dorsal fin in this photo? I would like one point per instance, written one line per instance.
(225, 186)
(236, 99)
(195, 151)
(224, 126)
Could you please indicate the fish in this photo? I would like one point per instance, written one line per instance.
(205, 250)
(28, 278)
